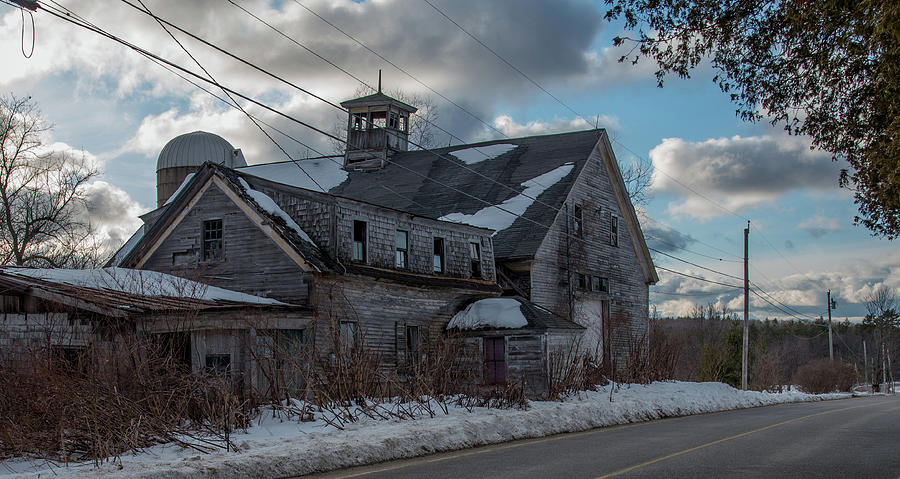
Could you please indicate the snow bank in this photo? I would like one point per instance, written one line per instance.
(491, 313)
(277, 448)
(497, 219)
(471, 156)
(134, 281)
(269, 205)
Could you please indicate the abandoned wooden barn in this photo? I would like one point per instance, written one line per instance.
(387, 245)
(81, 315)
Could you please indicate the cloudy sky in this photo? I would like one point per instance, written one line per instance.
(712, 172)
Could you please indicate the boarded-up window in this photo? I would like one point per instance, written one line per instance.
(212, 240)
(439, 255)
(412, 344)
(359, 241)
(494, 361)
(401, 259)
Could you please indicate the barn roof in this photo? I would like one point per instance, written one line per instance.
(456, 182)
(119, 292)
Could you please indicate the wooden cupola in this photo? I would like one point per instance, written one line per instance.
(377, 127)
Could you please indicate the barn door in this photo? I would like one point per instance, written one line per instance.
(606, 324)
(494, 361)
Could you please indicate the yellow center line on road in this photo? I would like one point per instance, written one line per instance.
(720, 441)
(499, 447)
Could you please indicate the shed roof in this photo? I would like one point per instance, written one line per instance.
(120, 292)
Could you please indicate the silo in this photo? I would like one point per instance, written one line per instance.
(183, 154)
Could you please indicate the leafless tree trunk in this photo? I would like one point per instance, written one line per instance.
(41, 194)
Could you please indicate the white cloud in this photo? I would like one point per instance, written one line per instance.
(738, 172)
(510, 128)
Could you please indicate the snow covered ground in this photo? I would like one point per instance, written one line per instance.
(274, 447)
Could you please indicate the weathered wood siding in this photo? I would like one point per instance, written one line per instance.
(251, 263)
(381, 311)
(594, 255)
(328, 220)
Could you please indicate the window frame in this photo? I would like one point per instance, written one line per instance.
(401, 255)
(208, 254)
(359, 245)
(413, 338)
(613, 230)
(475, 260)
(439, 267)
(578, 221)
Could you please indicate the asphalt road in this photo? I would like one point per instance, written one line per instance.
(851, 438)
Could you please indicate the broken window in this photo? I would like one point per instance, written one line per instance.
(439, 255)
(401, 239)
(212, 240)
(582, 282)
(475, 255)
(577, 222)
(613, 230)
(219, 364)
(359, 241)
(393, 121)
(358, 121)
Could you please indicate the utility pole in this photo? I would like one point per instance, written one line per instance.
(865, 362)
(746, 349)
(830, 343)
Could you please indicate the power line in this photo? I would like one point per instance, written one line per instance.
(694, 264)
(473, 37)
(699, 278)
(212, 81)
(389, 62)
(673, 245)
(236, 104)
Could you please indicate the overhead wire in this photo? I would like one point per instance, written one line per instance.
(236, 103)
(315, 129)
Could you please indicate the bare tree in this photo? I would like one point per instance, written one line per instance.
(421, 123)
(41, 194)
(637, 177)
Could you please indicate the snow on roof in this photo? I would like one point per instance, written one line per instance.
(269, 205)
(491, 313)
(128, 246)
(135, 281)
(470, 156)
(184, 183)
(326, 171)
(495, 218)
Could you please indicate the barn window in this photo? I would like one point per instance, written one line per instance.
(359, 241)
(212, 240)
(614, 230)
(494, 361)
(349, 333)
(412, 344)
(218, 364)
(439, 255)
(393, 122)
(475, 255)
(577, 222)
(582, 282)
(401, 239)
(602, 285)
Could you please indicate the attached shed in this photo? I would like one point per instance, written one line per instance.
(208, 329)
(514, 339)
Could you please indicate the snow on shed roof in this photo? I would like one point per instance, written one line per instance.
(508, 313)
(138, 282)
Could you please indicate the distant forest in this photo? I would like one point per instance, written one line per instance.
(709, 347)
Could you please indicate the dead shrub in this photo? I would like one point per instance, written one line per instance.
(824, 376)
